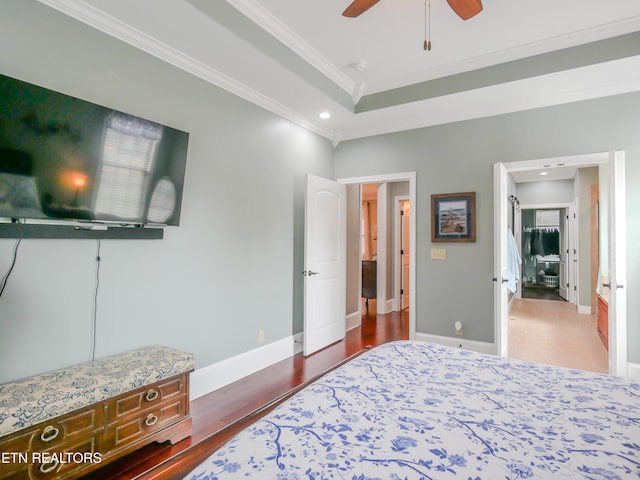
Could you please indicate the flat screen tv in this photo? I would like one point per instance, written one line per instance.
(62, 158)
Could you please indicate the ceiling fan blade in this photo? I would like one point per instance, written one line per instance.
(358, 7)
(466, 8)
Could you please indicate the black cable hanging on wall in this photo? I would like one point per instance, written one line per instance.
(95, 303)
(5, 278)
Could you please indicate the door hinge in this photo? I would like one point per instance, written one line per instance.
(401, 292)
(401, 252)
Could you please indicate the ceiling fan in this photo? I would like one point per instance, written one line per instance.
(464, 8)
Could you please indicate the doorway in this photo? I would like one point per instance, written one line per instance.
(402, 228)
(615, 256)
(385, 237)
(544, 233)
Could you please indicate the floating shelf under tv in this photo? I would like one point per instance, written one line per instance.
(56, 231)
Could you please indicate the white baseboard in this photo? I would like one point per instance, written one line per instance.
(389, 306)
(298, 342)
(207, 379)
(353, 320)
(473, 345)
(584, 309)
(633, 370)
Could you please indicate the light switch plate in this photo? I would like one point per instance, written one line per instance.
(438, 254)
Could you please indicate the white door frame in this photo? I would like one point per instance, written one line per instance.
(391, 178)
(573, 253)
(569, 225)
(382, 258)
(617, 265)
(617, 320)
(398, 271)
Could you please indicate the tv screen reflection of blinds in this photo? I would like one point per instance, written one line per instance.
(62, 158)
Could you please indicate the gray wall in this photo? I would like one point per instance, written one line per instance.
(545, 192)
(459, 157)
(231, 267)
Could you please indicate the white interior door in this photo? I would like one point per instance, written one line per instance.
(617, 266)
(324, 263)
(500, 292)
(563, 280)
(572, 258)
(406, 253)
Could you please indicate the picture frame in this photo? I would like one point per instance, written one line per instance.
(453, 217)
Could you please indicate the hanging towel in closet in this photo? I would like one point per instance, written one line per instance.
(513, 263)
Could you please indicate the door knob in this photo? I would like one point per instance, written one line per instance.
(309, 273)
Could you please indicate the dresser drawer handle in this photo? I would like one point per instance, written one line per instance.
(49, 433)
(151, 395)
(151, 420)
(49, 467)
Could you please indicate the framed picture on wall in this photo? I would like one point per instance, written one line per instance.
(453, 217)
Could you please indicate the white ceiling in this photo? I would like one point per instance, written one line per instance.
(295, 58)
(551, 173)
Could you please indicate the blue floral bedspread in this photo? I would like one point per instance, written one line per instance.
(414, 410)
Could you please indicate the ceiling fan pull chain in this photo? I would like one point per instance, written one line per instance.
(427, 44)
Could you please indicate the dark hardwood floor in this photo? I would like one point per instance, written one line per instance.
(541, 292)
(219, 415)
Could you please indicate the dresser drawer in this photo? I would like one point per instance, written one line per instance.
(66, 428)
(62, 462)
(59, 434)
(133, 403)
(53, 433)
(55, 463)
(145, 423)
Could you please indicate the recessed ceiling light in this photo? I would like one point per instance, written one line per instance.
(544, 173)
(325, 115)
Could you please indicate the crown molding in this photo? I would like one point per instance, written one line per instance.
(606, 79)
(573, 39)
(110, 25)
(265, 20)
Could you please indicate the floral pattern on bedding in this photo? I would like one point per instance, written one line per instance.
(414, 410)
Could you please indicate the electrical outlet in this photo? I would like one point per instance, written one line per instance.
(459, 329)
(438, 254)
(260, 337)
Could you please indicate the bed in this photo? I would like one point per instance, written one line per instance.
(416, 410)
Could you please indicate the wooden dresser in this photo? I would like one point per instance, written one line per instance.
(603, 320)
(63, 424)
